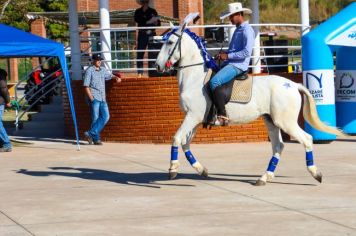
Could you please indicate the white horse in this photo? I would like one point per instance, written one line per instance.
(275, 98)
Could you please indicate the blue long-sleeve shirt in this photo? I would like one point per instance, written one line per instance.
(240, 48)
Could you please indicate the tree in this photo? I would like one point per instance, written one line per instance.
(4, 7)
(14, 13)
(213, 9)
(55, 30)
(278, 11)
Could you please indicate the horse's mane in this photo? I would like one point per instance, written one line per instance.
(208, 59)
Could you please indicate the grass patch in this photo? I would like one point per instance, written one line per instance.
(9, 117)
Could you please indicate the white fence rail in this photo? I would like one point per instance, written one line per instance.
(124, 58)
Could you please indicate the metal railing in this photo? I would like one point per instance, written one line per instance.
(31, 96)
(131, 60)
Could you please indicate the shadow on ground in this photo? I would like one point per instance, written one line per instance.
(52, 140)
(148, 179)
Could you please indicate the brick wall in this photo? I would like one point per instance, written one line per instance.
(93, 5)
(38, 27)
(14, 72)
(163, 7)
(146, 110)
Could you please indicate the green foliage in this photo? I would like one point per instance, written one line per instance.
(321, 10)
(55, 5)
(15, 12)
(57, 31)
(24, 67)
(213, 9)
(3, 63)
(278, 11)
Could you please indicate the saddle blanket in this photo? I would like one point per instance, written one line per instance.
(241, 91)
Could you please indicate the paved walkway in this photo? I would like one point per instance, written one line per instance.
(49, 188)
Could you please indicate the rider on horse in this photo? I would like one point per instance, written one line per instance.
(236, 59)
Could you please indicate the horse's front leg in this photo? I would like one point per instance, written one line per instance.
(190, 157)
(183, 137)
(174, 164)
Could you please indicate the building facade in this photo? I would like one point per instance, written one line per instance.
(171, 8)
(140, 112)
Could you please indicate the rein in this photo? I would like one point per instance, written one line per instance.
(197, 64)
(174, 48)
(207, 58)
(168, 63)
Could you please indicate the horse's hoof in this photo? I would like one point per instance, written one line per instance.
(172, 175)
(319, 177)
(205, 173)
(260, 183)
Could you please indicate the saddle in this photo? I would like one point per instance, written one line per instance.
(238, 90)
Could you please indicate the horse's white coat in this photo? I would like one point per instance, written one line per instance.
(276, 97)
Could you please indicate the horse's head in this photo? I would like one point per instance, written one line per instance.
(171, 51)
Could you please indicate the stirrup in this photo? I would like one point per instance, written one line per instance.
(222, 120)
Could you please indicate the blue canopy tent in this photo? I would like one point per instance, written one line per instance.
(17, 43)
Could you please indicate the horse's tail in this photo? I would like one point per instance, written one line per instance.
(311, 115)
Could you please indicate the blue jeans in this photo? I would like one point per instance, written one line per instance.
(99, 112)
(4, 139)
(224, 76)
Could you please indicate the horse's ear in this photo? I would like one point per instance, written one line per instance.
(182, 28)
(171, 25)
(189, 18)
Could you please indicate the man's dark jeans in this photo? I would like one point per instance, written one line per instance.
(142, 43)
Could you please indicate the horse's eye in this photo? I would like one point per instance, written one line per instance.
(169, 42)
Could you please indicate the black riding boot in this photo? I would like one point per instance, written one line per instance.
(219, 101)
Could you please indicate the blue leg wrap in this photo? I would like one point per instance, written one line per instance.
(190, 157)
(309, 158)
(272, 164)
(174, 153)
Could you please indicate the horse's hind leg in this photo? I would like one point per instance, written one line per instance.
(307, 140)
(183, 137)
(274, 134)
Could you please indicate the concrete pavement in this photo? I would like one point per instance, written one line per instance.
(49, 188)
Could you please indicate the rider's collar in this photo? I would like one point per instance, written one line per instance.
(243, 24)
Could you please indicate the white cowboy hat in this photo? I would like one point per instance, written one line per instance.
(139, 2)
(234, 8)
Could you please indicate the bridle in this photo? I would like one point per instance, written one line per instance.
(169, 64)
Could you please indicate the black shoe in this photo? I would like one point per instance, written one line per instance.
(5, 149)
(88, 137)
(98, 142)
(219, 101)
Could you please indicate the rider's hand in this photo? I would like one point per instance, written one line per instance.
(8, 104)
(117, 79)
(223, 56)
